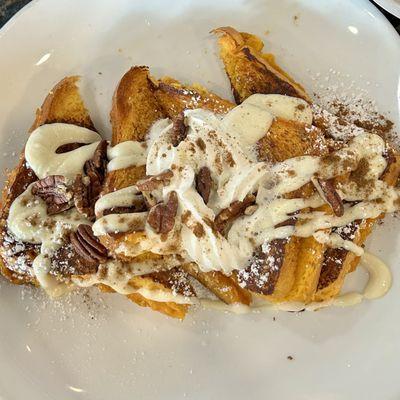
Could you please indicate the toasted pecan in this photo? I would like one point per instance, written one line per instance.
(179, 129)
(204, 183)
(55, 192)
(162, 216)
(235, 210)
(155, 181)
(87, 245)
(327, 190)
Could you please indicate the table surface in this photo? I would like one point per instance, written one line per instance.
(9, 7)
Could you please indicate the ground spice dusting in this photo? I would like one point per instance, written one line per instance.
(359, 176)
(343, 117)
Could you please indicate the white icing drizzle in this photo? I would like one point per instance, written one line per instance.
(116, 223)
(40, 150)
(29, 222)
(380, 277)
(126, 154)
(52, 286)
(227, 146)
(120, 198)
(379, 282)
(282, 106)
(335, 241)
(118, 276)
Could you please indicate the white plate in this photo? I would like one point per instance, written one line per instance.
(392, 6)
(102, 347)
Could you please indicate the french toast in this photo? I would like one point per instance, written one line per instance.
(138, 102)
(251, 71)
(296, 269)
(319, 271)
(195, 195)
(134, 110)
(63, 104)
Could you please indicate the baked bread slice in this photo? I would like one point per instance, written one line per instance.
(294, 264)
(290, 269)
(337, 263)
(319, 271)
(63, 104)
(138, 102)
(134, 110)
(251, 71)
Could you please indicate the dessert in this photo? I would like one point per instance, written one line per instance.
(197, 199)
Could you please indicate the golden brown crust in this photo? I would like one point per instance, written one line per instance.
(286, 139)
(134, 107)
(148, 101)
(174, 97)
(224, 287)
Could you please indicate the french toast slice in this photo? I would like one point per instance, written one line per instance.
(174, 98)
(63, 104)
(320, 271)
(294, 264)
(134, 110)
(337, 263)
(285, 139)
(251, 71)
(150, 100)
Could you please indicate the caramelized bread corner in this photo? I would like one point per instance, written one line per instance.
(251, 71)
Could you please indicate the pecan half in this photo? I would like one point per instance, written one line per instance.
(87, 191)
(87, 245)
(204, 183)
(55, 192)
(179, 130)
(235, 210)
(66, 262)
(155, 181)
(327, 191)
(162, 216)
(95, 169)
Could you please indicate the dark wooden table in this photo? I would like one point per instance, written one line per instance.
(9, 7)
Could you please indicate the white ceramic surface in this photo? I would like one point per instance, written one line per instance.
(392, 6)
(101, 346)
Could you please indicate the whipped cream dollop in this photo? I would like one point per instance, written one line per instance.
(41, 149)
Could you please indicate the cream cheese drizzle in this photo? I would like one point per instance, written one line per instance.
(116, 223)
(40, 150)
(29, 222)
(126, 154)
(379, 282)
(119, 275)
(227, 146)
(120, 198)
(336, 241)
